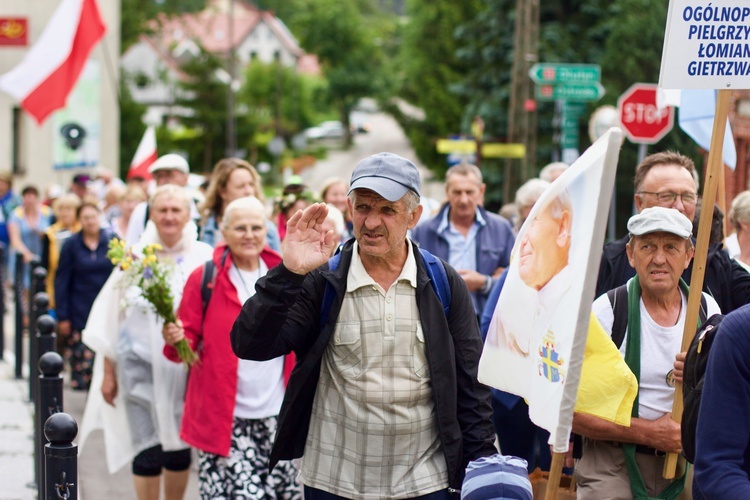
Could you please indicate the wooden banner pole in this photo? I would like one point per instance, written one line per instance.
(721, 200)
(555, 472)
(710, 187)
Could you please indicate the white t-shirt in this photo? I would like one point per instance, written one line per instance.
(659, 346)
(260, 384)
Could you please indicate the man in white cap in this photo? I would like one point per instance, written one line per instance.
(384, 400)
(168, 169)
(626, 462)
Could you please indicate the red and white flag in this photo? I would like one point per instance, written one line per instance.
(45, 77)
(145, 155)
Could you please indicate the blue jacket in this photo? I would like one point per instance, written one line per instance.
(81, 273)
(494, 243)
(722, 464)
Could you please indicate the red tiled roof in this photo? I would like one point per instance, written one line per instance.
(210, 27)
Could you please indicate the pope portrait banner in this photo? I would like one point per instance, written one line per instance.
(538, 334)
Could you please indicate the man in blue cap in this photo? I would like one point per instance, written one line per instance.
(384, 401)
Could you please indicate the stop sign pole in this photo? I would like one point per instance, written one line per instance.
(642, 121)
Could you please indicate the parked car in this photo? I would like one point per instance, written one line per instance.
(327, 130)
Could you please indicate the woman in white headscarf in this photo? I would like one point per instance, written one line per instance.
(143, 391)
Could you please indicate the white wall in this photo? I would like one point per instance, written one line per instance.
(263, 41)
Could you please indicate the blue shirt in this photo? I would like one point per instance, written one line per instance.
(462, 253)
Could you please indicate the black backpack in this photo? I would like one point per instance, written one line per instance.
(618, 297)
(209, 278)
(693, 378)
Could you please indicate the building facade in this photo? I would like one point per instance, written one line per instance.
(49, 154)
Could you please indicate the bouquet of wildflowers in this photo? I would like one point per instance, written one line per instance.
(152, 278)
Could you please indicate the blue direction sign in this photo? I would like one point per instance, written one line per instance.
(583, 92)
(559, 73)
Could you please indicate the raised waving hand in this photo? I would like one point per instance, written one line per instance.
(306, 245)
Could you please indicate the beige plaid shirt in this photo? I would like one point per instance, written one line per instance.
(373, 431)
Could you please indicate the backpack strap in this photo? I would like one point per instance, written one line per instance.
(438, 279)
(435, 271)
(618, 297)
(209, 278)
(329, 293)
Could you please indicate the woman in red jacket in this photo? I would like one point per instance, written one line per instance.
(232, 405)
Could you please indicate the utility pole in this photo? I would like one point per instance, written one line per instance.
(521, 107)
(231, 141)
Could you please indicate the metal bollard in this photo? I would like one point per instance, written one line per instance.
(18, 293)
(49, 402)
(3, 272)
(60, 458)
(38, 278)
(39, 307)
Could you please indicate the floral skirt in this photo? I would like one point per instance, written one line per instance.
(81, 360)
(244, 473)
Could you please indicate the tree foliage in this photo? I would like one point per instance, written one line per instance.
(205, 95)
(337, 32)
(136, 14)
(131, 126)
(429, 67)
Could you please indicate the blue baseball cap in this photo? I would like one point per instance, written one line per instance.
(388, 174)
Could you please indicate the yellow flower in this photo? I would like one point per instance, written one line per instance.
(115, 261)
(157, 246)
(125, 265)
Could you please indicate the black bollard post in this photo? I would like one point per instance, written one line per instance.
(18, 293)
(60, 458)
(49, 402)
(3, 272)
(38, 278)
(39, 307)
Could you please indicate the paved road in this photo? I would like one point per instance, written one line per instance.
(95, 482)
(384, 135)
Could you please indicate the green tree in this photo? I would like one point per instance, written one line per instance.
(205, 95)
(429, 67)
(136, 14)
(344, 42)
(131, 126)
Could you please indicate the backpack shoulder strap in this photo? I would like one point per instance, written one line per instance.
(329, 293)
(435, 271)
(618, 297)
(703, 313)
(438, 279)
(209, 273)
(209, 279)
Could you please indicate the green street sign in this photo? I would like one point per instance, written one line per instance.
(587, 92)
(569, 140)
(573, 108)
(567, 121)
(565, 73)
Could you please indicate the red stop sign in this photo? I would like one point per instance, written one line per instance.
(639, 116)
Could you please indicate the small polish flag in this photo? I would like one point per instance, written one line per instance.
(145, 155)
(50, 69)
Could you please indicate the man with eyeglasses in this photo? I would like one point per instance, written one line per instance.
(669, 179)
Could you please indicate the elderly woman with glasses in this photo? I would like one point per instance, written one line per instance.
(231, 405)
